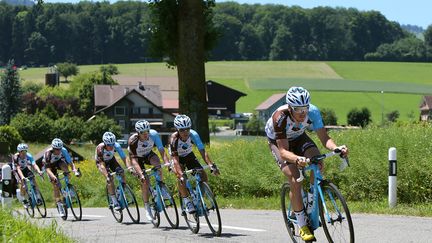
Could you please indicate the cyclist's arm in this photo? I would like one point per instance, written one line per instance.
(177, 168)
(119, 150)
(285, 154)
(102, 168)
(51, 174)
(325, 139)
(33, 163)
(18, 169)
(158, 143)
(68, 159)
(205, 156)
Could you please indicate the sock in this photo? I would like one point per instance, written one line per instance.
(114, 199)
(301, 218)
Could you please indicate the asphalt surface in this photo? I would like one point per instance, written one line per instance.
(98, 225)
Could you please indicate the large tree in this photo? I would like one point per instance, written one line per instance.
(10, 93)
(183, 32)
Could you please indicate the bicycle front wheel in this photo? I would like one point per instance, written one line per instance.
(210, 209)
(334, 214)
(29, 207)
(169, 206)
(40, 204)
(154, 208)
(288, 214)
(75, 203)
(131, 204)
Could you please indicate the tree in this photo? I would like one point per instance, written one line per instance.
(183, 32)
(110, 69)
(10, 93)
(358, 117)
(95, 128)
(11, 136)
(67, 69)
(255, 124)
(392, 116)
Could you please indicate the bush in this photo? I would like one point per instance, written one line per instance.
(10, 135)
(34, 128)
(95, 128)
(392, 116)
(255, 124)
(110, 69)
(68, 128)
(358, 117)
(329, 116)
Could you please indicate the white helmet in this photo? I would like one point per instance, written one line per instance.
(297, 96)
(142, 126)
(109, 138)
(21, 147)
(182, 122)
(57, 143)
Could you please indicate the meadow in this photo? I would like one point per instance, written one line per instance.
(340, 86)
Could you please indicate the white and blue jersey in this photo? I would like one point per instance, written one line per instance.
(22, 162)
(183, 148)
(102, 154)
(282, 126)
(51, 158)
(138, 148)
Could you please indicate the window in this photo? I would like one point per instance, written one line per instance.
(150, 111)
(119, 111)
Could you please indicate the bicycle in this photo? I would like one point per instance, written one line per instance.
(204, 201)
(34, 198)
(70, 196)
(328, 204)
(125, 198)
(157, 201)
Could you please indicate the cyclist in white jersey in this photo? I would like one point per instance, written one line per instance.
(140, 147)
(181, 153)
(292, 147)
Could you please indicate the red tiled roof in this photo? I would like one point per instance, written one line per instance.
(270, 101)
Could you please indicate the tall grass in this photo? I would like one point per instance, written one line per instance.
(14, 228)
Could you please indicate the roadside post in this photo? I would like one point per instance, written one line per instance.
(392, 194)
(6, 193)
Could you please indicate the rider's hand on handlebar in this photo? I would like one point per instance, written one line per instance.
(77, 173)
(214, 169)
(302, 161)
(343, 149)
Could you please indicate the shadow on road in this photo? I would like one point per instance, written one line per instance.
(223, 235)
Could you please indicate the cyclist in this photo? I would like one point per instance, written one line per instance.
(181, 153)
(291, 146)
(57, 157)
(21, 161)
(106, 161)
(140, 147)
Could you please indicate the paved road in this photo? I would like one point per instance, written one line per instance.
(98, 225)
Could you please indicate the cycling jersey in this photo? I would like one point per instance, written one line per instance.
(22, 163)
(281, 124)
(138, 148)
(183, 148)
(102, 154)
(51, 158)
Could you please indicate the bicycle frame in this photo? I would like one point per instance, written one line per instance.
(65, 188)
(196, 193)
(30, 189)
(154, 172)
(121, 196)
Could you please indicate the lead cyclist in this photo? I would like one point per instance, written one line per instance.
(291, 146)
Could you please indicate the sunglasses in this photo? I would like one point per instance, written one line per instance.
(144, 132)
(184, 129)
(110, 145)
(23, 151)
(300, 109)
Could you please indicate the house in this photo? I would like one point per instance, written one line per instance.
(221, 100)
(266, 108)
(426, 108)
(127, 104)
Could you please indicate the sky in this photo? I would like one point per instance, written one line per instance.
(413, 12)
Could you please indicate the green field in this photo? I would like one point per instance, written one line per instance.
(340, 86)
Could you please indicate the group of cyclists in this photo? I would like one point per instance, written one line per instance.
(290, 146)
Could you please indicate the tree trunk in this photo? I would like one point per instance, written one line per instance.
(190, 65)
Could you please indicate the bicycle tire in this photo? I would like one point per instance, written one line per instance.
(130, 200)
(30, 205)
(192, 219)
(41, 208)
(154, 209)
(291, 226)
(210, 207)
(334, 210)
(169, 207)
(64, 207)
(75, 202)
(118, 215)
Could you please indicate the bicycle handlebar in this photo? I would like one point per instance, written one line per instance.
(317, 158)
(157, 167)
(196, 169)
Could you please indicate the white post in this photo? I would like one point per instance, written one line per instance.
(392, 195)
(6, 194)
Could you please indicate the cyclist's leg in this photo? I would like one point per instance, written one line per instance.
(154, 160)
(103, 168)
(55, 183)
(181, 185)
(193, 163)
(144, 184)
(308, 148)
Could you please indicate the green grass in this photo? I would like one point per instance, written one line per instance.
(15, 228)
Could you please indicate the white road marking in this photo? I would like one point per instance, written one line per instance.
(93, 216)
(239, 228)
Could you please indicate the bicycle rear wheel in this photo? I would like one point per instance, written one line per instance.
(75, 203)
(169, 206)
(192, 219)
(30, 205)
(131, 204)
(335, 216)
(41, 207)
(288, 214)
(210, 209)
(118, 215)
(154, 208)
